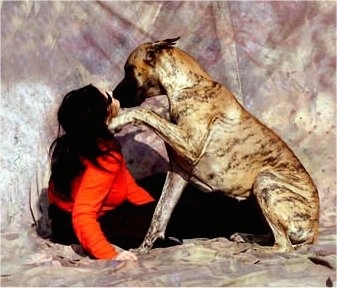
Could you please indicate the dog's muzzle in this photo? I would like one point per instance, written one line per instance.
(128, 94)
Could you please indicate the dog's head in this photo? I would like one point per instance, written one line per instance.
(140, 80)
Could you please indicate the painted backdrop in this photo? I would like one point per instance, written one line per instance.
(279, 58)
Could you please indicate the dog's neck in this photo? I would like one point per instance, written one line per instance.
(175, 76)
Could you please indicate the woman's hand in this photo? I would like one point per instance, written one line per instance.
(126, 255)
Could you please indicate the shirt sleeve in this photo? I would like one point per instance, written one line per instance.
(92, 191)
(136, 194)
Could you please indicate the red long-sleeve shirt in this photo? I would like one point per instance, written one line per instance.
(95, 192)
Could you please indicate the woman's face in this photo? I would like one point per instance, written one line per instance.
(113, 108)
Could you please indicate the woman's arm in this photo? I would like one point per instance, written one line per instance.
(136, 194)
(92, 191)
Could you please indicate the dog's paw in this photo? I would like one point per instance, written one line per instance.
(237, 238)
(273, 249)
(140, 250)
(252, 238)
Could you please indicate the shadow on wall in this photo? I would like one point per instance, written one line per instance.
(42, 224)
(142, 159)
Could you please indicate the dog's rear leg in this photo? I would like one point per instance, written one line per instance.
(173, 187)
(290, 215)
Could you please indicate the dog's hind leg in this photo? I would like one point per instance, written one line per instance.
(290, 209)
(173, 187)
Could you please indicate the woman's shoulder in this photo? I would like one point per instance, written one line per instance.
(110, 160)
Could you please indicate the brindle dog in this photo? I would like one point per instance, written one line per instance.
(215, 143)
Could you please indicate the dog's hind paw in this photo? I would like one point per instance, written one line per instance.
(273, 249)
(251, 238)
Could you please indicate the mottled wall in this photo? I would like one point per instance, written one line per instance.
(279, 58)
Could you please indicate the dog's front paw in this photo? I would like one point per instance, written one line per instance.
(140, 250)
(135, 251)
(144, 248)
(127, 117)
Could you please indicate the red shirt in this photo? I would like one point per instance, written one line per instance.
(95, 192)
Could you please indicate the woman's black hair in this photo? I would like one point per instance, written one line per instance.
(82, 116)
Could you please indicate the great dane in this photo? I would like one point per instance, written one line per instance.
(215, 143)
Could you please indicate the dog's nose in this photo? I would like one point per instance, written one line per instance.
(120, 93)
(118, 90)
(126, 93)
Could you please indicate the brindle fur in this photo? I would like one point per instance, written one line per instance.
(214, 142)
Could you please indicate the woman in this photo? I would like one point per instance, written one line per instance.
(89, 178)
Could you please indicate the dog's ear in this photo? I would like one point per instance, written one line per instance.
(150, 56)
(165, 43)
